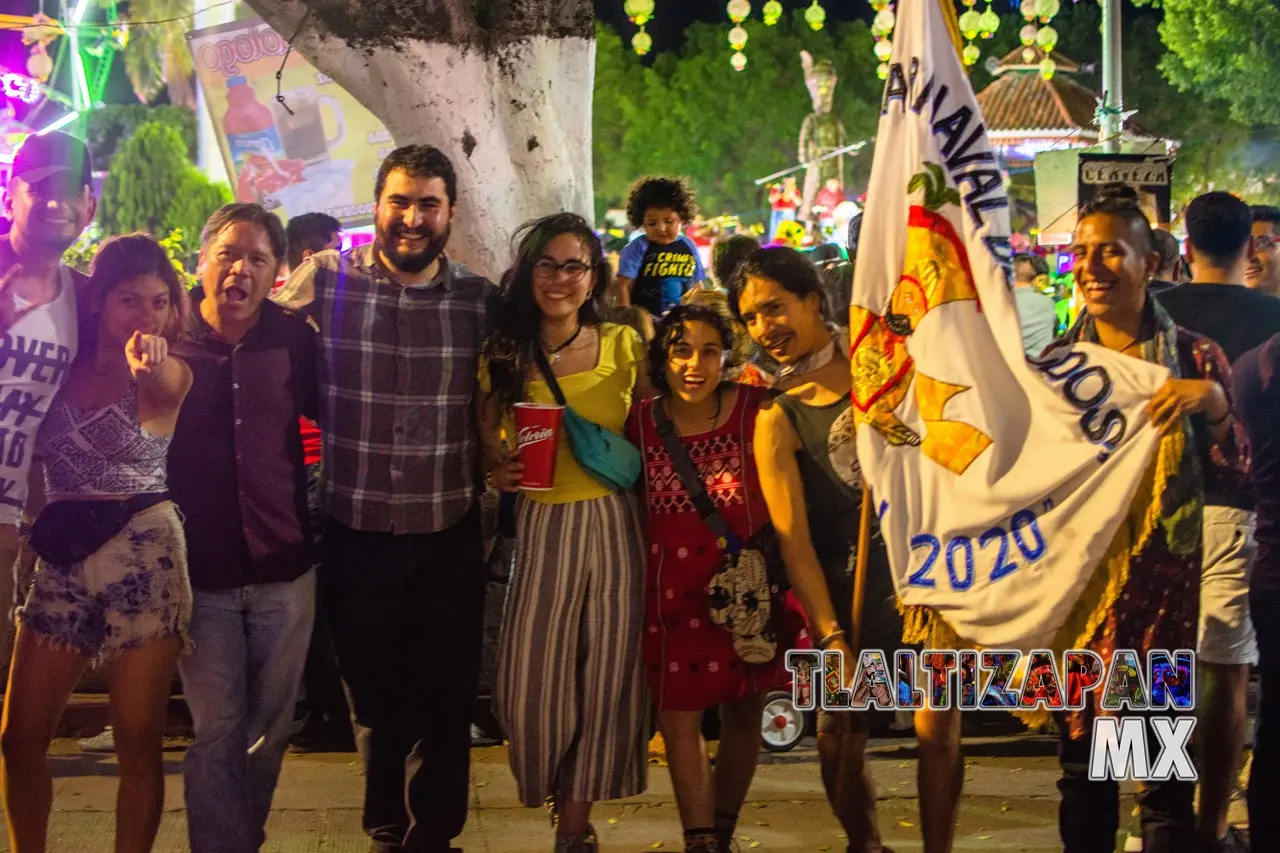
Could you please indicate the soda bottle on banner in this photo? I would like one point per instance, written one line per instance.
(249, 125)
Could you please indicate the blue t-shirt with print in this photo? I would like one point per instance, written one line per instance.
(660, 274)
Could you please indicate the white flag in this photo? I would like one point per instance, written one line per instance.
(999, 483)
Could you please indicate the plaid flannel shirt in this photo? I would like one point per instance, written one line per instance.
(397, 386)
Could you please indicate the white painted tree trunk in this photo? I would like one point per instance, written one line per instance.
(515, 119)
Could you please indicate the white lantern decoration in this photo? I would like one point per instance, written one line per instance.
(1047, 38)
(884, 22)
(738, 61)
(1046, 9)
(39, 65)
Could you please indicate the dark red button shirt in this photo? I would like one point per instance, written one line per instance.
(236, 462)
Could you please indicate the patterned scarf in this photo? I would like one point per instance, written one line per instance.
(1179, 484)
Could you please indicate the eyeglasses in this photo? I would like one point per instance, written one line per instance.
(573, 270)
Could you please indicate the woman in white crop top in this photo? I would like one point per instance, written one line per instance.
(111, 583)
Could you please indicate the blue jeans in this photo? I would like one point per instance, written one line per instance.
(241, 684)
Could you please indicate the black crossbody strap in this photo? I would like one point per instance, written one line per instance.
(692, 479)
(547, 376)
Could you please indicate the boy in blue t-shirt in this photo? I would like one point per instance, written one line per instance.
(655, 270)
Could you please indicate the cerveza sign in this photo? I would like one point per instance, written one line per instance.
(1150, 175)
(1147, 170)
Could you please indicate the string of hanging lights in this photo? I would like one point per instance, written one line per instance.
(974, 25)
(739, 11)
(640, 12)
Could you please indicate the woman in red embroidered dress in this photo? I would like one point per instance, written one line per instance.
(689, 660)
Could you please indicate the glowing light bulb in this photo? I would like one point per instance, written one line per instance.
(639, 11)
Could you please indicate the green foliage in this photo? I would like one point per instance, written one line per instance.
(691, 114)
(156, 56)
(197, 199)
(153, 187)
(109, 126)
(80, 256)
(1228, 50)
(145, 178)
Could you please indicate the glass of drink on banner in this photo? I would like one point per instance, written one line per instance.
(303, 130)
(537, 439)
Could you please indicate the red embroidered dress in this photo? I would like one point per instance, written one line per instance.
(689, 660)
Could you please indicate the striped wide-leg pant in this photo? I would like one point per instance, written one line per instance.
(570, 692)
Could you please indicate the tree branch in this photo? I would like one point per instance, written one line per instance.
(485, 24)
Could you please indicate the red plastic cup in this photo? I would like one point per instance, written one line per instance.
(537, 439)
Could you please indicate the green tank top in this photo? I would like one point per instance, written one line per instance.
(828, 463)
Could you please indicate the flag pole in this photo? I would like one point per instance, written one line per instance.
(953, 27)
(860, 569)
(864, 520)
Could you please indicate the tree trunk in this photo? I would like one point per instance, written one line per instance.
(504, 88)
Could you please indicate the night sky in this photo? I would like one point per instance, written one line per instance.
(670, 17)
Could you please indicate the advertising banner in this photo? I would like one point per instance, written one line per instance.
(318, 151)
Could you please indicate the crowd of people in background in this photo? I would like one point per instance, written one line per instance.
(260, 476)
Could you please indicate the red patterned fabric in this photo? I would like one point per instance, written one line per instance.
(690, 660)
(310, 441)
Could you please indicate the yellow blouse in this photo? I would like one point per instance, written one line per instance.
(601, 395)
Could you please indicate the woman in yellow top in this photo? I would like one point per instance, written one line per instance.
(570, 691)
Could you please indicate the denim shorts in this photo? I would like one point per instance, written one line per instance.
(133, 589)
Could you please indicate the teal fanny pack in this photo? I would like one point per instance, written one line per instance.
(605, 455)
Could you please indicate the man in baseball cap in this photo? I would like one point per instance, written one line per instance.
(48, 202)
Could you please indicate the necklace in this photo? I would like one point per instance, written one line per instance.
(554, 352)
(814, 361)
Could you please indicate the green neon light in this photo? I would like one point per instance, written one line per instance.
(78, 15)
(80, 82)
(60, 123)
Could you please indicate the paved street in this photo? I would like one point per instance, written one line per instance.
(1010, 804)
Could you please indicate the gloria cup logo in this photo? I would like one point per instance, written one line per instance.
(537, 440)
(533, 435)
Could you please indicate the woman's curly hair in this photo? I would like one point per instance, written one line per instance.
(673, 193)
(671, 329)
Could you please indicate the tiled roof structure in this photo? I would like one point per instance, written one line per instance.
(1021, 103)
